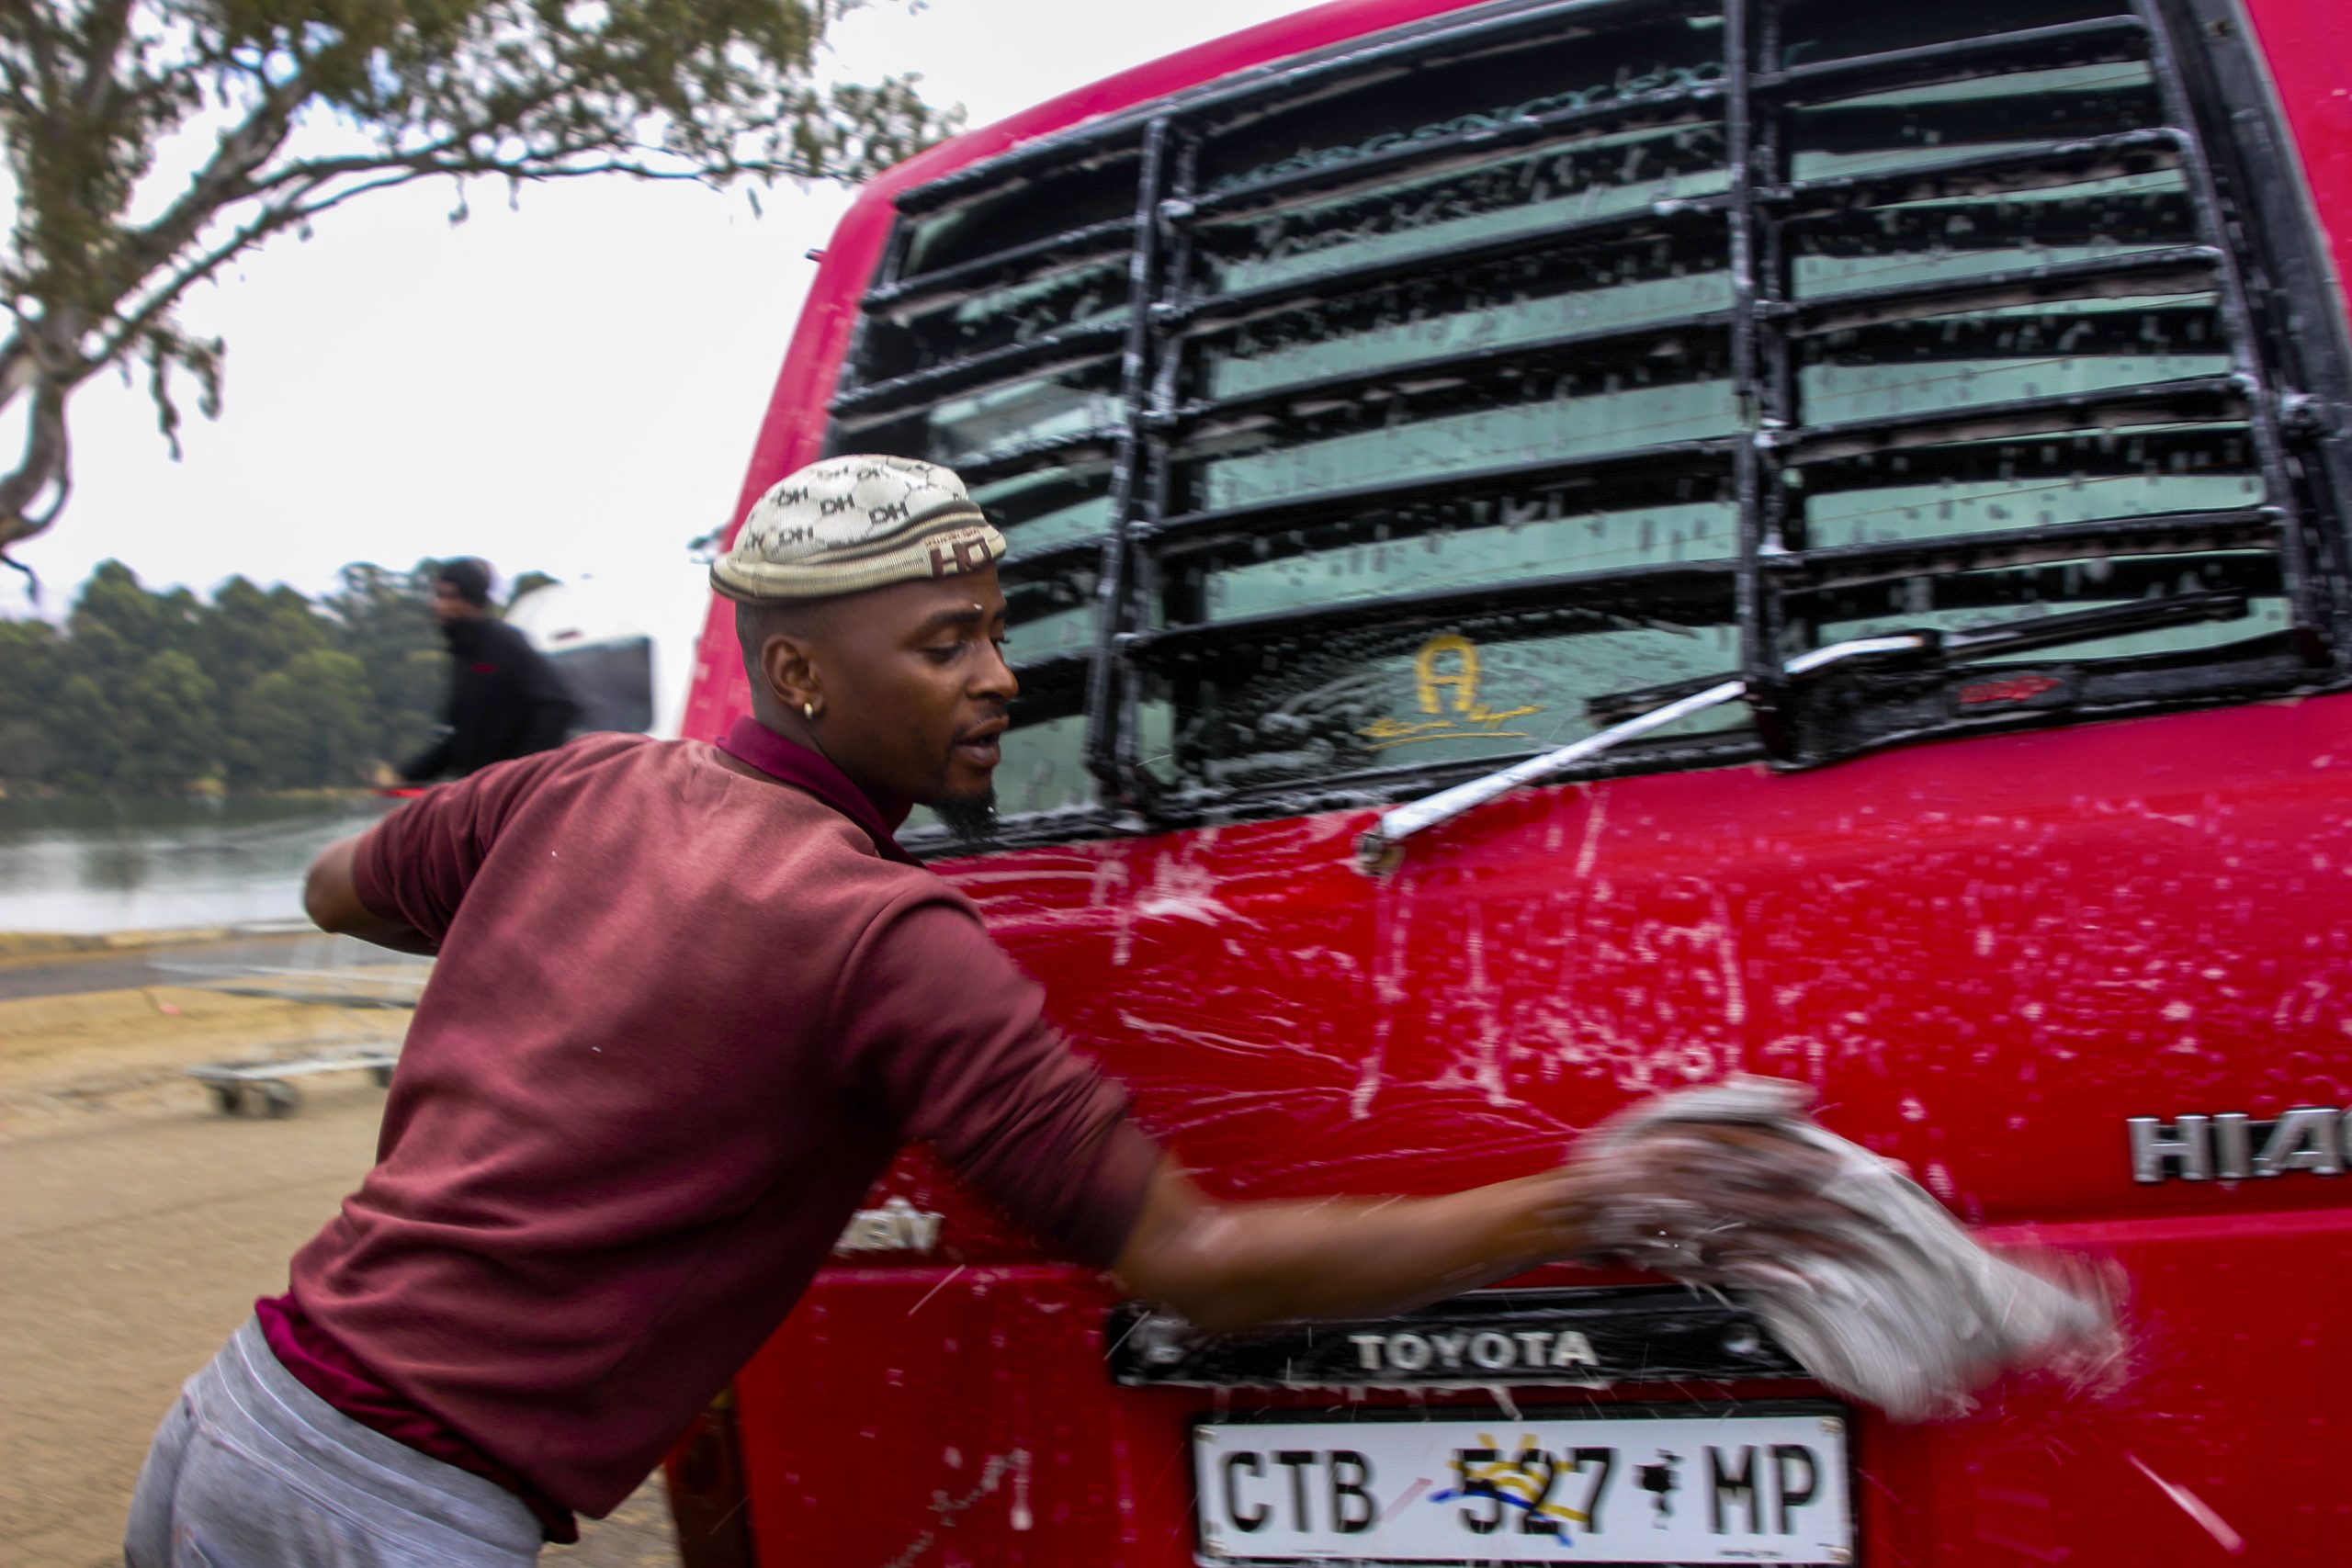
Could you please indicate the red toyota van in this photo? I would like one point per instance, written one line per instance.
(1888, 463)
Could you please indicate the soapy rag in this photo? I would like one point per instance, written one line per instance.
(1888, 1300)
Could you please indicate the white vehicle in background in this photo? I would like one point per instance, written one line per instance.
(625, 647)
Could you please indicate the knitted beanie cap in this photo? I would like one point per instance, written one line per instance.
(845, 525)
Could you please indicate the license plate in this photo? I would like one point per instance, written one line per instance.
(1738, 1486)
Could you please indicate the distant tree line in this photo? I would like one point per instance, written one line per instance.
(147, 692)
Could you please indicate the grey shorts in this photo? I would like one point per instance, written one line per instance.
(252, 1469)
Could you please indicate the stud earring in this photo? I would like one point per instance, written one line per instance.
(808, 712)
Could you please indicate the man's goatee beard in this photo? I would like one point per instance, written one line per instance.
(971, 820)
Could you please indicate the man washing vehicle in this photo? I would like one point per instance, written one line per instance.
(690, 1001)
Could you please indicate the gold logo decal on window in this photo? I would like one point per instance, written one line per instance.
(1428, 674)
(1446, 675)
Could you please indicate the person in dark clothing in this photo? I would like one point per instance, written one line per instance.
(505, 701)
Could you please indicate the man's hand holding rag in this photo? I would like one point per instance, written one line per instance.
(1866, 1278)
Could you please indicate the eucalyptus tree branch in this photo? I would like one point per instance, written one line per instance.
(17, 372)
(295, 208)
(46, 466)
(90, 90)
(223, 179)
(109, 26)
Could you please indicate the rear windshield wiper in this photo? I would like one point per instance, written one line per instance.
(1630, 714)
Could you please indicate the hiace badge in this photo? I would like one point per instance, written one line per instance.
(2233, 1146)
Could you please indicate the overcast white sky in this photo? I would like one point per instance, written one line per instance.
(573, 386)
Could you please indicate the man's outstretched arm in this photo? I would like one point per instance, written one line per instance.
(949, 1037)
(1719, 1191)
(1226, 1265)
(331, 897)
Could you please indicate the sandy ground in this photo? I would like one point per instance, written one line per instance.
(137, 1225)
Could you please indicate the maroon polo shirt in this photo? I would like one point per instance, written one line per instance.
(681, 1020)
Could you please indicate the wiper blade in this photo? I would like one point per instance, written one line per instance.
(1630, 714)
(1974, 642)
(2089, 626)
(1373, 850)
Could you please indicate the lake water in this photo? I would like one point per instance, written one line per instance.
(91, 865)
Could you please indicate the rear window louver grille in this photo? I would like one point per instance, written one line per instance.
(1486, 368)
